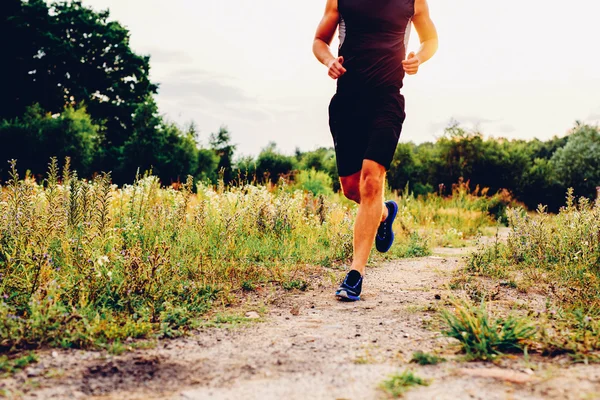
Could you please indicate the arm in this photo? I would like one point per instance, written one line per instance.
(427, 36)
(323, 38)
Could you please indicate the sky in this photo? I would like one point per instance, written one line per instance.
(513, 69)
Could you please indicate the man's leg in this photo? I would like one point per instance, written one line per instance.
(370, 213)
(351, 188)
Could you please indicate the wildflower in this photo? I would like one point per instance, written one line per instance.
(103, 260)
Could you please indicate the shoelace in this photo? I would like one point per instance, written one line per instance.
(384, 230)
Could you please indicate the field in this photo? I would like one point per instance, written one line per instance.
(88, 265)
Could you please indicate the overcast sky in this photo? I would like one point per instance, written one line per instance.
(514, 68)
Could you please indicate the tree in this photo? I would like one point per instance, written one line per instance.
(577, 164)
(158, 146)
(37, 136)
(66, 54)
(220, 143)
(273, 164)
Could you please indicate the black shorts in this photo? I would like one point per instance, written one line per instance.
(365, 126)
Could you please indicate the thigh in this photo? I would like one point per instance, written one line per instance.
(385, 130)
(349, 123)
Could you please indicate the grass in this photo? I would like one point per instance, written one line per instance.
(87, 264)
(422, 358)
(454, 220)
(559, 257)
(10, 365)
(483, 338)
(396, 385)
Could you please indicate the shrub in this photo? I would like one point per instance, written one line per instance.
(316, 182)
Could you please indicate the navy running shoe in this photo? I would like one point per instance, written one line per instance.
(351, 287)
(385, 233)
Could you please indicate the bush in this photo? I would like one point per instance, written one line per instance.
(37, 136)
(316, 182)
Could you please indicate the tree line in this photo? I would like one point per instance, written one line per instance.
(73, 87)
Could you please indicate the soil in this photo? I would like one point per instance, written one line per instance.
(307, 345)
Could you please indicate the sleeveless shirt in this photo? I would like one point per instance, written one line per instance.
(373, 39)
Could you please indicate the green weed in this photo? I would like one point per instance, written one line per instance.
(396, 385)
(8, 365)
(422, 358)
(481, 337)
(295, 284)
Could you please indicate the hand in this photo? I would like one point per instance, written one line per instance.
(411, 64)
(335, 68)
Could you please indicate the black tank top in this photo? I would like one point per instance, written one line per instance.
(373, 39)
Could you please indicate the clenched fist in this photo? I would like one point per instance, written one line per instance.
(411, 64)
(335, 68)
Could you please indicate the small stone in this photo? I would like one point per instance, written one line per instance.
(252, 315)
(406, 335)
(33, 372)
(54, 354)
(295, 311)
(438, 297)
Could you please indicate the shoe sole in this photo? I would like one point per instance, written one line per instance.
(394, 214)
(343, 295)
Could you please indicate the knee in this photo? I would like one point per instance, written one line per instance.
(371, 186)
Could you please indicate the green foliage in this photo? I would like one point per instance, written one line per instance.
(87, 264)
(38, 136)
(484, 339)
(220, 143)
(158, 146)
(316, 182)
(533, 171)
(560, 256)
(271, 165)
(577, 164)
(559, 250)
(396, 385)
(295, 284)
(422, 358)
(64, 53)
(8, 365)
(413, 246)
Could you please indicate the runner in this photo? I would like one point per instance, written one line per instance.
(367, 112)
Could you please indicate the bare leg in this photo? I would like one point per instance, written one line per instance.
(351, 188)
(370, 213)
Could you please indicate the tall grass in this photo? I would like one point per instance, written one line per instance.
(84, 262)
(451, 220)
(558, 256)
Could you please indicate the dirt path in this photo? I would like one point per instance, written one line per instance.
(313, 347)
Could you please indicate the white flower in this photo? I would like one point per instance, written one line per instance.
(102, 260)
